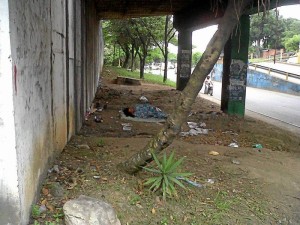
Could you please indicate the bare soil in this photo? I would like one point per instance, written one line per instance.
(242, 185)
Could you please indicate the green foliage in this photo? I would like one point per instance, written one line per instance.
(135, 199)
(292, 44)
(35, 211)
(266, 28)
(100, 142)
(196, 57)
(154, 55)
(167, 175)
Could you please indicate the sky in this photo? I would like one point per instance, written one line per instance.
(202, 37)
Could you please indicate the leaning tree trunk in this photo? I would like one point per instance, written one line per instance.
(187, 97)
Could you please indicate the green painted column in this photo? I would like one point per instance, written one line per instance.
(233, 101)
(184, 58)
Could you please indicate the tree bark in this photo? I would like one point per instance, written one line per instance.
(187, 97)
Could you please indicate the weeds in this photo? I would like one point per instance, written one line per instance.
(100, 143)
(167, 175)
(35, 211)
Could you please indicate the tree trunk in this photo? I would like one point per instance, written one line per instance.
(127, 57)
(132, 59)
(187, 97)
(166, 49)
(166, 64)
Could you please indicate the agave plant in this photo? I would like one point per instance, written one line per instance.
(167, 175)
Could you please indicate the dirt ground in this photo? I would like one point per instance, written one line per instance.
(243, 185)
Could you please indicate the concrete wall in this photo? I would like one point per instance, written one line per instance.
(48, 83)
(9, 193)
(261, 80)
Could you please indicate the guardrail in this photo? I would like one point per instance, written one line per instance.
(287, 74)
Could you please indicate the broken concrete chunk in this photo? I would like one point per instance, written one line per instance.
(89, 211)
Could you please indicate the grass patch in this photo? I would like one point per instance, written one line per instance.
(148, 77)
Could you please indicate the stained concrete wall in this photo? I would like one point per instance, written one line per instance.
(9, 192)
(50, 59)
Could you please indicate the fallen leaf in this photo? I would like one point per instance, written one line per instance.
(153, 211)
(45, 191)
(50, 207)
(44, 202)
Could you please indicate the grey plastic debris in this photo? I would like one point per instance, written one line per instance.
(127, 126)
(143, 99)
(235, 161)
(190, 182)
(210, 181)
(194, 129)
(233, 145)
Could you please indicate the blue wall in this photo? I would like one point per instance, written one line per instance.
(261, 80)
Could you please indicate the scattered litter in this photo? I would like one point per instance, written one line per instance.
(190, 182)
(210, 181)
(214, 153)
(235, 161)
(230, 132)
(54, 169)
(87, 115)
(96, 177)
(98, 119)
(195, 129)
(42, 209)
(144, 99)
(257, 146)
(192, 125)
(127, 126)
(83, 146)
(202, 125)
(233, 145)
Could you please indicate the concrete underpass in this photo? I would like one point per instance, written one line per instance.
(51, 56)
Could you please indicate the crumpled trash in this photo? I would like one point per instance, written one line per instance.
(233, 145)
(210, 181)
(195, 184)
(98, 119)
(192, 125)
(214, 153)
(127, 126)
(195, 129)
(230, 132)
(257, 146)
(235, 161)
(144, 99)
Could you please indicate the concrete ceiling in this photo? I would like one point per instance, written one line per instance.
(119, 9)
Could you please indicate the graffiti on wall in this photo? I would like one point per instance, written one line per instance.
(185, 65)
(238, 80)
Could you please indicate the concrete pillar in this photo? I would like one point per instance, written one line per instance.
(235, 69)
(184, 58)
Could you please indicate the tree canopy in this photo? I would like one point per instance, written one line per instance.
(270, 30)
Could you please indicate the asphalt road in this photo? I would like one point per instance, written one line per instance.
(277, 108)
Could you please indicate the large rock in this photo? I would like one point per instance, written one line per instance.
(89, 211)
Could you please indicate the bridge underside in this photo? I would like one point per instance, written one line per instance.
(50, 60)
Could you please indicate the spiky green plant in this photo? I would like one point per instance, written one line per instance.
(167, 175)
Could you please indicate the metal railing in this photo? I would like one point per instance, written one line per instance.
(269, 69)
